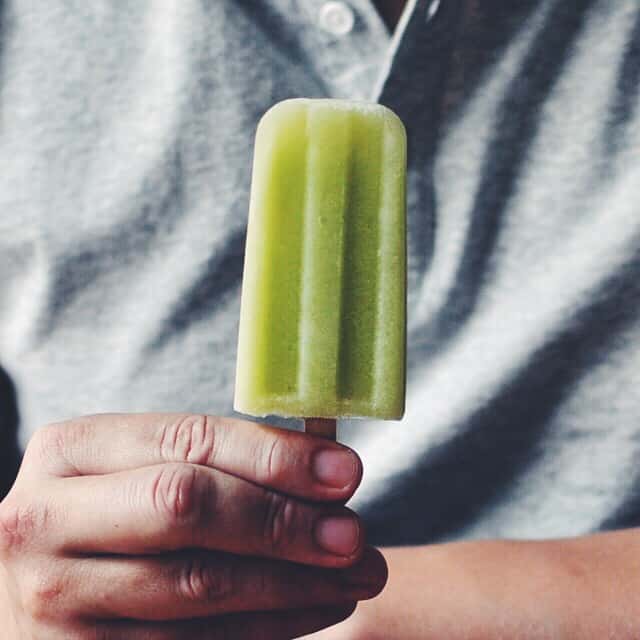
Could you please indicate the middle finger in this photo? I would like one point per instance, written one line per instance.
(176, 506)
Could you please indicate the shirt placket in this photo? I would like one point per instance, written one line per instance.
(353, 52)
(411, 81)
(348, 42)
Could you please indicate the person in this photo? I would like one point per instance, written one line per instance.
(504, 504)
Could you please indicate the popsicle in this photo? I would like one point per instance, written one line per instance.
(323, 310)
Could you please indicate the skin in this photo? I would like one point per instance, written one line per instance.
(584, 588)
(155, 527)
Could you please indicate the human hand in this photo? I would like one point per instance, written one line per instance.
(158, 527)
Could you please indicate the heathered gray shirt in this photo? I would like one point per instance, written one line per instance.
(125, 153)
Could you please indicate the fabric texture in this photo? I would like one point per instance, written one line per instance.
(126, 133)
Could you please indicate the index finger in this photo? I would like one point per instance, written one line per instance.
(286, 461)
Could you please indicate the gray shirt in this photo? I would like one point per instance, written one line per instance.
(126, 133)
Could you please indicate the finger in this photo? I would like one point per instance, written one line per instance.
(286, 461)
(255, 626)
(177, 506)
(198, 585)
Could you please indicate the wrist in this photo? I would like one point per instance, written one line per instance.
(563, 589)
(460, 591)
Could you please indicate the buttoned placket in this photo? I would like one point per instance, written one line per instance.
(348, 41)
(412, 83)
(355, 51)
(358, 58)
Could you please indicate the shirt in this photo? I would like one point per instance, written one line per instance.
(126, 134)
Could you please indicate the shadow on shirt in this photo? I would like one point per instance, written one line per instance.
(459, 481)
(466, 477)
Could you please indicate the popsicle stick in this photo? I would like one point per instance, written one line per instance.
(321, 427)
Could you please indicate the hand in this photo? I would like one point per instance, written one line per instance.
(158, 527)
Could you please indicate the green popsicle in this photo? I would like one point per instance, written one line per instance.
(323, 313)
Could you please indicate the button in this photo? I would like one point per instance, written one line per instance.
(337, 18)
(433, 9)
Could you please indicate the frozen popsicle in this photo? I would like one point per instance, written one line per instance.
(323, 312)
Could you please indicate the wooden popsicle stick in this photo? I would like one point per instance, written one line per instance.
(321, 427)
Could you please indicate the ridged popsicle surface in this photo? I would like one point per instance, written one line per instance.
(323, 314)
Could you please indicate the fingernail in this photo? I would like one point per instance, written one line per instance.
(338, 535)
(335, 467)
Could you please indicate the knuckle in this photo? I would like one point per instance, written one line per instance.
(51, 447)
(279, 528)
(43, 593)
(45, 443)
(179, 493)
(11, 526)
(272, 460)
(190, 438)
(20, 522)
(198, 581)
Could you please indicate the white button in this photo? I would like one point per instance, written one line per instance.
(337, 18)
(433, 9)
